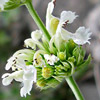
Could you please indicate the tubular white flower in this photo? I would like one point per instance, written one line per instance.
(27, 75)
(36, 35)
(2, 3)
(30, 43)
(66, 16)
(51, 59)
(24, 54)
(8, 78)
(28, 78)
(80, 37)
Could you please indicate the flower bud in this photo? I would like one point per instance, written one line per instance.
(47, 72)
(62, 55)
(41, 83)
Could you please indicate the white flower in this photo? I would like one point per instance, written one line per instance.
(51, 59)
(80, 37)
(27, 75)
(68, 16)
(30, 43)
(13, 61)
(2, 3)
(24, 74)
(36, 35)
(34, 40)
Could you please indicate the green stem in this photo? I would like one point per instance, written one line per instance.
(37, 19)
(71, 82)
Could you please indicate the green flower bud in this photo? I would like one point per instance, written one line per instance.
(47, 72)
(71, 59)
(64, 70)
(53, 25)
(41, 83)
(62, 55)
(11, 4)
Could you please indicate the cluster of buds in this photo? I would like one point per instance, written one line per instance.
(47, 63)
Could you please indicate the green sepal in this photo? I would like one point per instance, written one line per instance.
(85, 63)
(41, 83)
(79, 55)
(64, 70)
(70, 45)
(52, 82)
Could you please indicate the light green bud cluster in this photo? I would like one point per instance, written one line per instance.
(70, 60)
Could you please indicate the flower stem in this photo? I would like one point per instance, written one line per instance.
(37, 19)
(71, 82)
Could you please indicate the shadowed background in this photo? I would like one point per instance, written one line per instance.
(17, 25)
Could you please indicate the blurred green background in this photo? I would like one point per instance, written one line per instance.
(17, 25)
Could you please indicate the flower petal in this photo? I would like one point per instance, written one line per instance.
(68, 16)
(27, 86)
(36, 35)
(49, 14)
(80, 37)
(9, 63)
(30, 43)
(8, 78)
(30, 73)
(51, 59)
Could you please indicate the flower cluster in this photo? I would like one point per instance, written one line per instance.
(47, 63)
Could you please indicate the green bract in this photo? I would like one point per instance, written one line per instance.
(11, 4)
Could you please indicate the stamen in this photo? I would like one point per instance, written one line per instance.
(16, 58)
(54, 2)
(48, 60)
(36, 62)
(65, 24)
(35, 59)
(25, 60)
